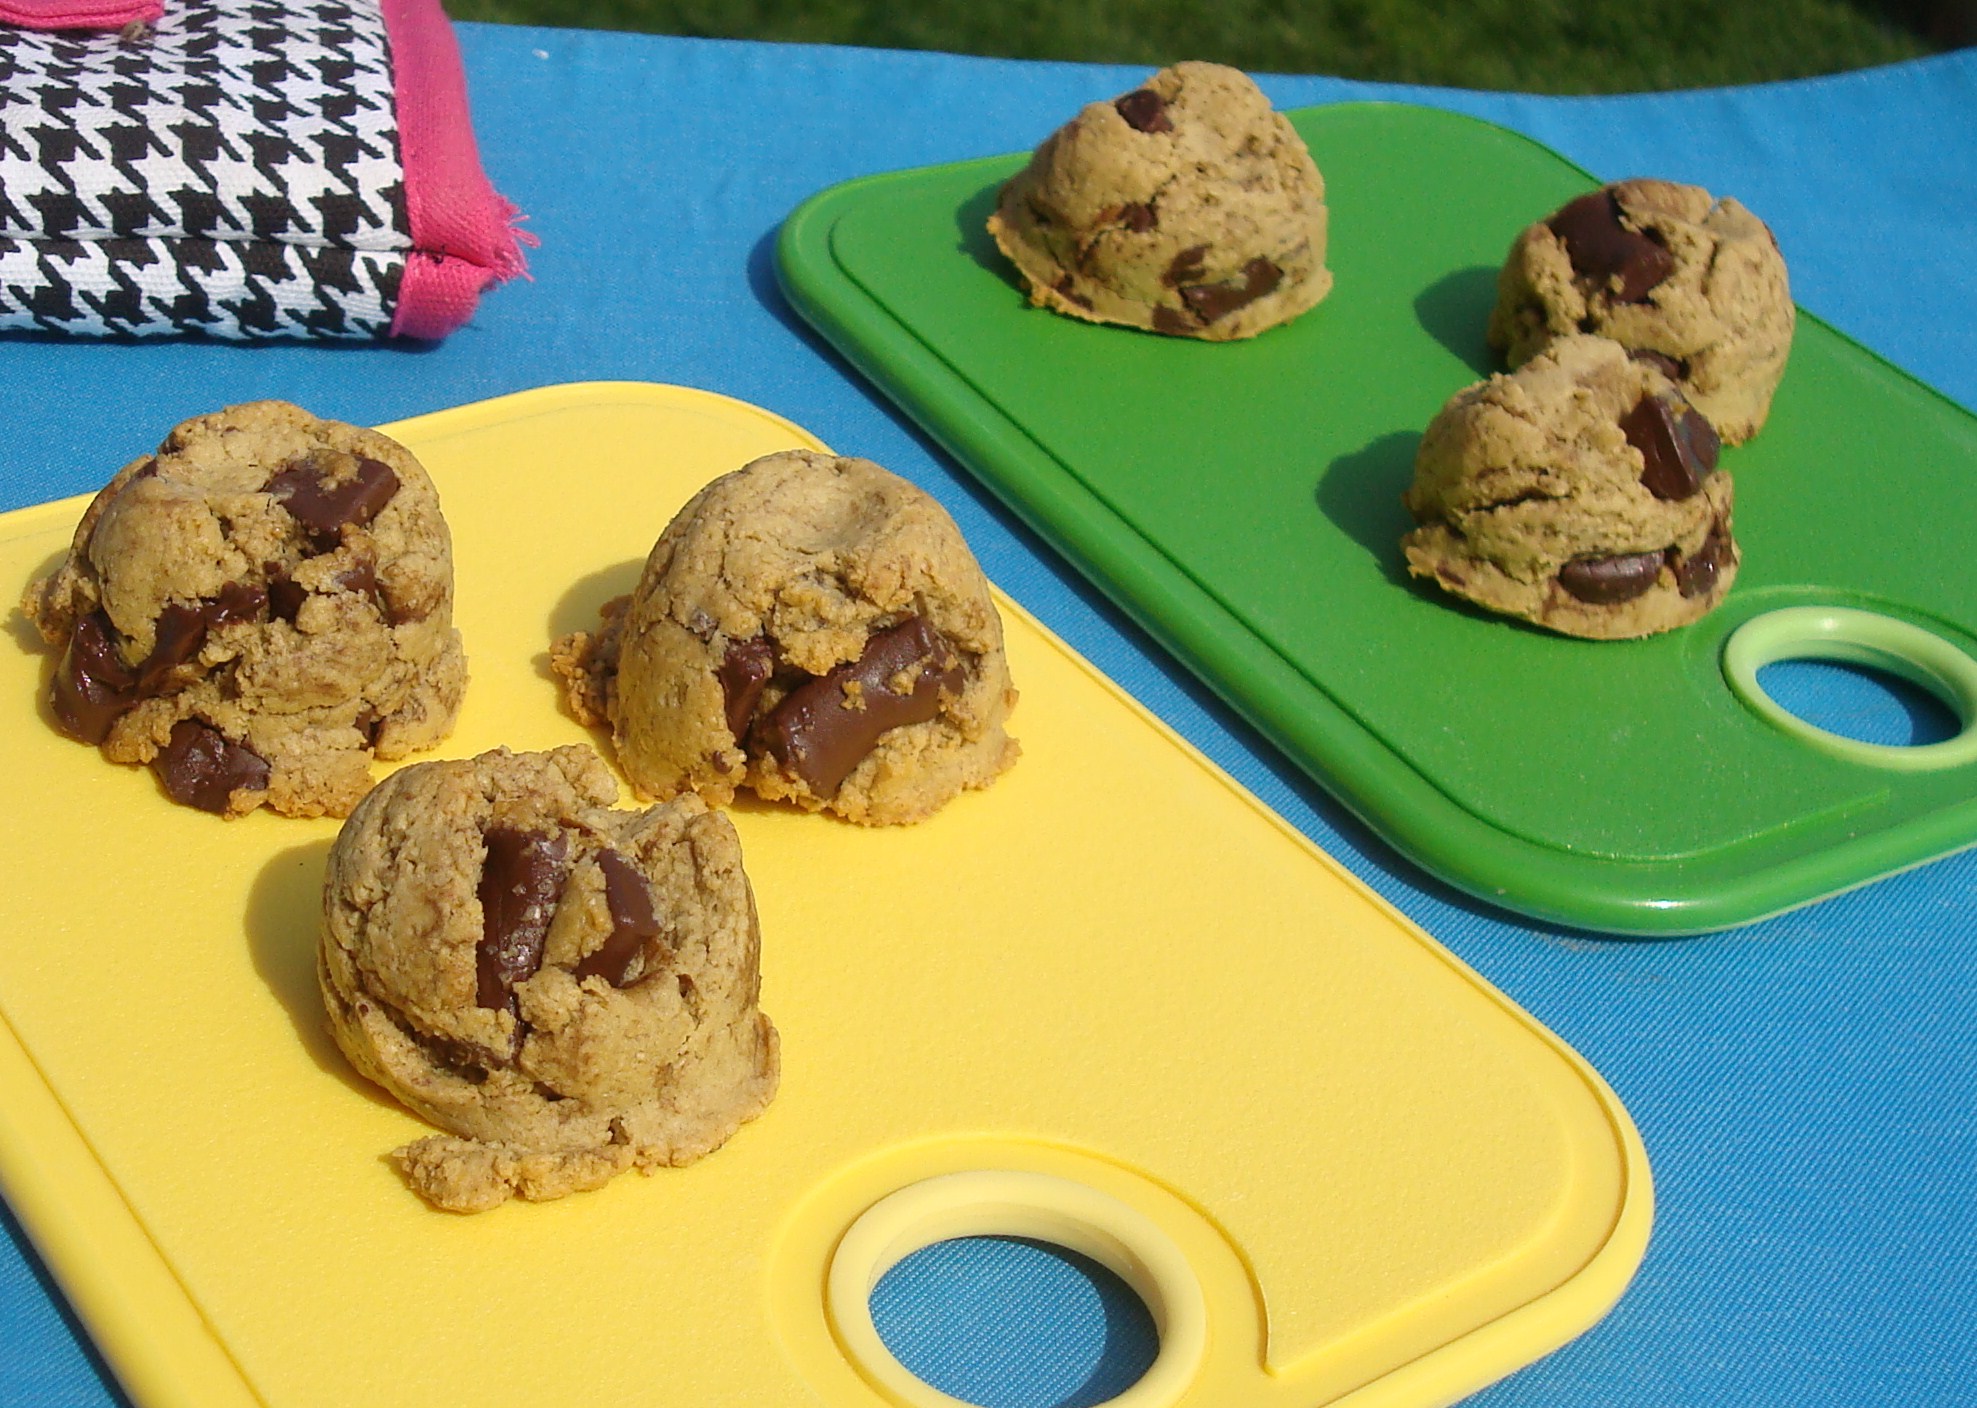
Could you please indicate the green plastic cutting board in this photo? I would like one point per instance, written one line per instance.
(1242, 502)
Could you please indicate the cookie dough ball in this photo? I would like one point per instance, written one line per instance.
(1579, 492)
(811, 628)
(568, 989)
(257, 611)
(1187, 206)
(1693, 283)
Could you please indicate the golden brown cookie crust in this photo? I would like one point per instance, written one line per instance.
(270, 592)
(1721, 316)
(1532, 498)
(1185, 207)
(781, 576)
(617, 1044)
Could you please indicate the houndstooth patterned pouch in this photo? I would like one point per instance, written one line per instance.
(244, 169)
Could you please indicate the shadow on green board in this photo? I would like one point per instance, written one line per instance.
(1455, 311)
(971, 222)
(1360, 493)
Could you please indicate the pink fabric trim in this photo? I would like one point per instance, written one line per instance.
(78, 14)
(463, 236)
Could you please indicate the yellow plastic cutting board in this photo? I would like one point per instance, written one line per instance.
(1113, 1002)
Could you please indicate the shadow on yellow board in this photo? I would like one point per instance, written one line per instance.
(1113, 1002)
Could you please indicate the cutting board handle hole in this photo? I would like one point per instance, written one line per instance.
(1147, 1313)
(1070, 1333)
(1858, 685)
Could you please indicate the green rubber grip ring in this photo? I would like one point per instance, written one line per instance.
(1855, 637)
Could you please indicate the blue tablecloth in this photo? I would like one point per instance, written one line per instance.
(1805, 1086)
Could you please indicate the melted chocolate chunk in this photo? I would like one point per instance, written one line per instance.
(633, 921)
(181, 630)
(1144, 111)
(744, 670)
(448, 1053)
(1211, 302)
(361, 579)
(1678, 445)
(1606, 251)
(92, 687)
(1696, 574)
(1067, 289)
(1608, 581)
(1166, 320)
(1671, 367)
(1138, 218)
(520, 882)
(201, 767)
(285, 595)
(1186, 266)
(324, 508)
(824, 728)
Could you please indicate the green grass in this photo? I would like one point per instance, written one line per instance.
(1544, 46)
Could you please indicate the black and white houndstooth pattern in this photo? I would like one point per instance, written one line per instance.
(236, 172)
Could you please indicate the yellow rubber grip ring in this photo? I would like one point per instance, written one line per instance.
(1010, 1204)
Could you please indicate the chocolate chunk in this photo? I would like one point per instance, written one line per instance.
(361, 579)
(1144, 111)
(824, 728)
(633, 921)
(181, 629)
(1678, 445)
(1211, 302)
(1607, 581)
(1138, 218)
(1671, 367)
(1606, 251)
(1067, 289)
(285, 594)
(1696, 573)
(179, 632)
(1186, 266)
(237, 601)
(462, 1058)
(92, 687)
(323, 505)
(201, 767)
(1166, 320)
(745, 668)
(520, 882)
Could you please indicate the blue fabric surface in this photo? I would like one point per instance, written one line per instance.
(1804, 1085)
(1011, 1323)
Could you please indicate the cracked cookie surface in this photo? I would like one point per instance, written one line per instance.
(1671, 273)
(258, 610)
(1187, 207)
(812, 628)
(568, 989)
(1579, 492)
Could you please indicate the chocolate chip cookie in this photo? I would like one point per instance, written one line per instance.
(1693, 283)
(812, 628)
(257, 611)
(1579, 492)
(568, 989)
(1186, 206)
